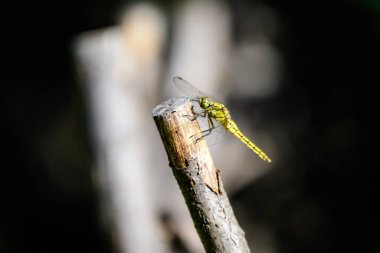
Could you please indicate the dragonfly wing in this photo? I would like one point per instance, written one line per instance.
(211, 133)
(187, 88)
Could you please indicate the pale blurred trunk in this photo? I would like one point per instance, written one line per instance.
(120, 68)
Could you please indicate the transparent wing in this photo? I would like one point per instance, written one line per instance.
(187, 88)
(211, 133)
(218, 134)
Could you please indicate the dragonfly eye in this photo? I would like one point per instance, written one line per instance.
(204, 102)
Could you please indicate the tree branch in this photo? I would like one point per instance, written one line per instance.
(198, 178)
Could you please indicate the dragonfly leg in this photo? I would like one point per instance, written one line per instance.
(208, 131)
(204, 133)
(196, 114)
(210, 123)
(191, 117)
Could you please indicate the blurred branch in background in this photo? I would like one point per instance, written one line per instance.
(201, 46)
(120, 67)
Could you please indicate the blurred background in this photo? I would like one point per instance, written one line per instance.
(84, 169)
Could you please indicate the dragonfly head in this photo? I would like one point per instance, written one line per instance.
(204, 102)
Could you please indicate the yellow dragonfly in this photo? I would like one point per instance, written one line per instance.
(213, 110)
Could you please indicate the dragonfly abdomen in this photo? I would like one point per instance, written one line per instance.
(231, 127)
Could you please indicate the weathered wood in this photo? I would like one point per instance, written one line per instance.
(198, 178)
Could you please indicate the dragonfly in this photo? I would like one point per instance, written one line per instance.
(217, 115)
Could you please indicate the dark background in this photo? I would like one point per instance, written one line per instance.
(331, 51)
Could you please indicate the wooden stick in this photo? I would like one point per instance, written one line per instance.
(198, 178)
